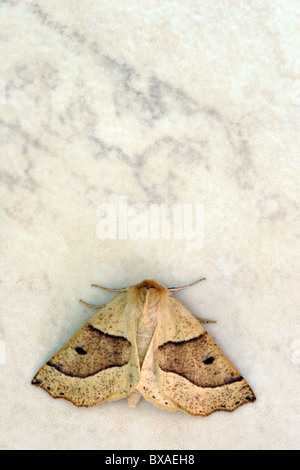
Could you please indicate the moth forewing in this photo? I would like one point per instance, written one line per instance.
(99, 363)
(149, 385)
(194, 374)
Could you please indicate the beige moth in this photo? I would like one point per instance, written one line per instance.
(146, 343)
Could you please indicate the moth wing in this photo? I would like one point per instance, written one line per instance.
(149, 385)
(100, 362)
(193, 373)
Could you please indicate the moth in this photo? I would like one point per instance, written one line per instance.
(145, 342)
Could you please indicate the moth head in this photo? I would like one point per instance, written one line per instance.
(151, 284)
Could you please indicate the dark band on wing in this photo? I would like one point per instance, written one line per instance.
(91, 352)
(199, 360)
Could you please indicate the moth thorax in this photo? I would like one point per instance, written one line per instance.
(154, 303)
(145, 330)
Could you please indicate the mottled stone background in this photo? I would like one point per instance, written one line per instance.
(187, 102)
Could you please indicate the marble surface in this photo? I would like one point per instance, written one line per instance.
(158, 102)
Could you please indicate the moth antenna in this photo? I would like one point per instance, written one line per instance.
(104, 288)
(89, 305)
(185, 287)
(110, 290)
